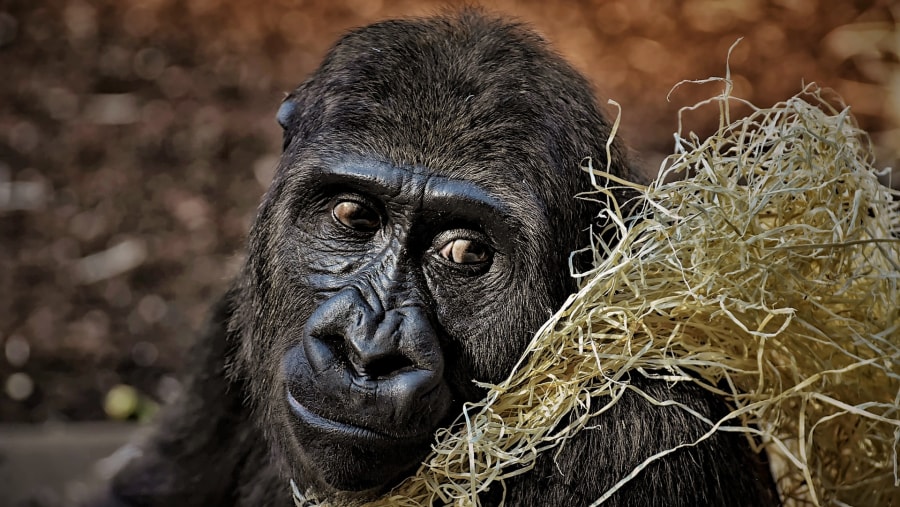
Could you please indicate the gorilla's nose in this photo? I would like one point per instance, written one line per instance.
(373, 345)
(380, 355)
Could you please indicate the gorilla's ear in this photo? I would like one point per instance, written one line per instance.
(286, 117)
(286, 112)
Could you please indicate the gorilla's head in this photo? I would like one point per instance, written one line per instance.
(415, 236)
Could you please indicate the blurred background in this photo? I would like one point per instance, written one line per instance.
(136, 138)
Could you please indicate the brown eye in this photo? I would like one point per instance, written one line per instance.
(356, 216)
(464, 251)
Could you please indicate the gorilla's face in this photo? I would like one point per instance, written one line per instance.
(409, 284)
(416, 235)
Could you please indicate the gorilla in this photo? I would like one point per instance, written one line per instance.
(416, 234)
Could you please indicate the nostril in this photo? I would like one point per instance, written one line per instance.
(334, 344)
(334, 341)
(385, 366)
(374, 366)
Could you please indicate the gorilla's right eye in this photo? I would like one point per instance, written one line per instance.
(466, 251)
(356, 216)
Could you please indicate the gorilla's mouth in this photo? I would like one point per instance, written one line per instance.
(356, 455)
(331, 426)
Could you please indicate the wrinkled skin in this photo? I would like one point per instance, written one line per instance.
(415, 236)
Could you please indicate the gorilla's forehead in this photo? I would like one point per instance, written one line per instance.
(425, 92)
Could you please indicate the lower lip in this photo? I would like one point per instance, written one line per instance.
(331, 426)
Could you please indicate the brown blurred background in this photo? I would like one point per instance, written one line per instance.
(136, 138)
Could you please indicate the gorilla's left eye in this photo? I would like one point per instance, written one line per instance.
(356, 216)
(466, 251)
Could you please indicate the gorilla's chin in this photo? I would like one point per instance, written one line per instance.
(353, 458)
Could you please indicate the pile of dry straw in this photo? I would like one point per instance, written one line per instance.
(772, 268)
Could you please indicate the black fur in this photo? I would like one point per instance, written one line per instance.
(361, 317)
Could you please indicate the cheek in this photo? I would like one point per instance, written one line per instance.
(488, 322)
